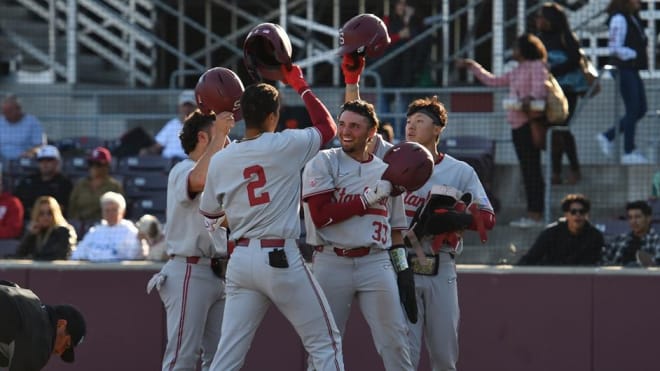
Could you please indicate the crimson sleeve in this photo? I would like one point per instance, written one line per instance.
(487, 217)
(325, 212)
(321, 118)
(11, 225)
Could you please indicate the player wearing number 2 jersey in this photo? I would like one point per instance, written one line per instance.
(352, 219)
(437, 292)
(255, 185)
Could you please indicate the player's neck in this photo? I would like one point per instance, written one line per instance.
(252, 133)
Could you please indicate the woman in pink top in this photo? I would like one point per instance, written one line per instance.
(526, 83)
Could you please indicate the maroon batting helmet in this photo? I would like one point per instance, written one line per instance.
(410, 166)
(265, 49)
(218, 90)
(364, 33)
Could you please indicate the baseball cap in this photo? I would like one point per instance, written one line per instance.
(48, 151)
(100, 155)
(187, 96)
(75, 326)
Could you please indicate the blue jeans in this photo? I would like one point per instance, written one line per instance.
(634, 100)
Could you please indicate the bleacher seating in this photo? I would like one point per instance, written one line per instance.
(145, 184)
(143, 164)
(8, 247)
(154, 204)
(75, 146)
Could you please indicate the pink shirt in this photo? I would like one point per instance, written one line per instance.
(526, 80)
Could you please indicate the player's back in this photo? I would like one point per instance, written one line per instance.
(257, 182)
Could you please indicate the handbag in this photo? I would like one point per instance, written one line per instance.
(556, 104)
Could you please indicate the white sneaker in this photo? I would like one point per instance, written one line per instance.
(526, 223)
(634, 158)
(606, 146)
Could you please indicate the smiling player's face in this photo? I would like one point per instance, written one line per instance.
(354, 132)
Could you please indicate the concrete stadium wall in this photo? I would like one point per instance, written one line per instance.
(512, 319)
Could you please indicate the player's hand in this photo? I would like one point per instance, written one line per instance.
(381, 190)
(224, 122)
(293, 76)
(352, 65)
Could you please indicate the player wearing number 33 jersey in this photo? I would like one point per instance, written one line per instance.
(352, 219)
(255, 184)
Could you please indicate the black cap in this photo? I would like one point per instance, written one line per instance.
(75, 326)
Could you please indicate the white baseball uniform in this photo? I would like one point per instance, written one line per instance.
(381, 146)
(192, 294)
(437, 296)
(352, 260)
(256, 184)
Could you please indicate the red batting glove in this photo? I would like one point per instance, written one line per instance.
(293, 77)
(352, 66)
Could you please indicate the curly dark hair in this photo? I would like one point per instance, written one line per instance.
(257, 102)
(641, 205)
(575, 197)
(531, 47)
(193, 124)
(430, 105)
(362, 108)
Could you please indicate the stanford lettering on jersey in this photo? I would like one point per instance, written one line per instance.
(341, 196)
(413, 200)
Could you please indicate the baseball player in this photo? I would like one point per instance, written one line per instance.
(31, 331)
(353, 221)
(192, 293)
(436, 285)
(254, 185)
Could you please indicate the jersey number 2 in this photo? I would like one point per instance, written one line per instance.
(258, 182)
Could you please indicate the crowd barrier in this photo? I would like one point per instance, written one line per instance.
(512, 319)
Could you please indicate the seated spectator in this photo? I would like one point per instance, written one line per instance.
(151, 231)
(48, 236)
(114, 239)
(168, 143)
(22, 133)
(11, 214)
(49, 181)
(571, 240)
(642, 237)
(84, 201)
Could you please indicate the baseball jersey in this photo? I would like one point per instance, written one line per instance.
(454, 173)
(256, 183)
(185, 231)
(381, 146)
(334, 171)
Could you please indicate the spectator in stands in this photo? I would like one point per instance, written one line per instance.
(84, 200)
(49, 181)
(627, 44)
(167, 140)
(655, 186)
(151, 232)
(623, 249)
(11, 213)
(564, 59)
(526, 84)
(387, 132)
(571, 240)
(22, 133)
(49, 236)
(115, 238)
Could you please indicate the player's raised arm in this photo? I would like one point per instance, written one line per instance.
(352, 66)
(321, 118)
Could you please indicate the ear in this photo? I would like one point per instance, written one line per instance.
(372, 132)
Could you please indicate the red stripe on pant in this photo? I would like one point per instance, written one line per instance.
(184, 302)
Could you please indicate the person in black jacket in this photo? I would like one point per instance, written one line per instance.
(48, 236)
(31, 331)
(564, 62)
(571, 240)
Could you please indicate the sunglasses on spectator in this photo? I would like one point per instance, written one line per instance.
(45, 212)
(577, 211)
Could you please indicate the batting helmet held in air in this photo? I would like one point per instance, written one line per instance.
(364, 33)
(410, 165)
(265, 49)
(218, 90)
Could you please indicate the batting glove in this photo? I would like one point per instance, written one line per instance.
(405, 281)
(293, 77)
(352, 66)
(372, 196)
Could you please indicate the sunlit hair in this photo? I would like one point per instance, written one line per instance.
(362, 108)
(257, 102)
(531, 47)
(575, 197)
(115, 198)
(55, 209)
(429, 105)
(192, 125)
